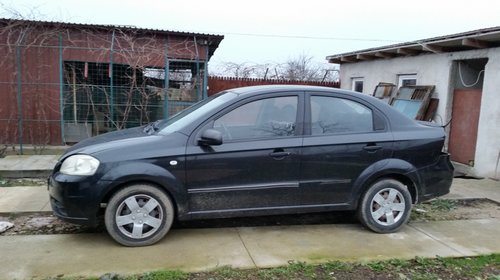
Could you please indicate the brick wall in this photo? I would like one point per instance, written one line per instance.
(216, 83)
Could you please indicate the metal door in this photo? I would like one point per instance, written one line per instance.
(464, 125)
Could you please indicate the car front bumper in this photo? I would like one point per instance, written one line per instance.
(74, 198)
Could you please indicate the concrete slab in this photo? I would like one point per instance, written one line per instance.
(24, 199)
(469, 237)
(27, 166)
(474, 188)
(275, 246)
(41, 256)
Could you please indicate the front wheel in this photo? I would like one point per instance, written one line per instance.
(139, 215)
(385, 206)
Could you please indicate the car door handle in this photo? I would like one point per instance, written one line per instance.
(372, 148)
(279, 155)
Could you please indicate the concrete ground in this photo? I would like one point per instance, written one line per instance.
(472, 188)
(201, 249)
(29, 256)
(24, 199)
(27, 166)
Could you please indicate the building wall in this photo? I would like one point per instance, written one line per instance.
(32, 58)
(440, 70)
(488, 140)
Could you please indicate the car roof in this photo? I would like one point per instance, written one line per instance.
(280, 88)
(257, 90)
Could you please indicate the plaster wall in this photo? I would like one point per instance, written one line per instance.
(441, 70)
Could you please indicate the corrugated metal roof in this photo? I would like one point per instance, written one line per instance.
(476, 39)
(108, 26)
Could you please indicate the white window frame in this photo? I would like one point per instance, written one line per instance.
(357, 79)
(404, 77)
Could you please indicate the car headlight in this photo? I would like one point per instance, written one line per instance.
(84, 165)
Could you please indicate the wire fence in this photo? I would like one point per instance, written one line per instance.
(138, 95)
(59, 86)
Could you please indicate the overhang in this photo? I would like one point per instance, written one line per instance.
(212, 40)
(477, 39)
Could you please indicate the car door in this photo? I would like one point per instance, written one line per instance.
(256, 167)
(344, 136)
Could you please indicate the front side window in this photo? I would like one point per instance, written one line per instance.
(331, 115)
(190, 114)
(264, 118)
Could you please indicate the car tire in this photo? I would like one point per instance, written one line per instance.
(139, 215)
(385, 206)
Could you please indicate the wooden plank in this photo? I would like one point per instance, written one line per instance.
(433, 48)
(422, 93)
(364, 57)
(431, 110)
(348, 59)
(385, 54)
(404, 51)
(335, 60)
(478, 44)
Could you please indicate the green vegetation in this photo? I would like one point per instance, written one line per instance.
(443, 204)
(437, 209)
(482, 267)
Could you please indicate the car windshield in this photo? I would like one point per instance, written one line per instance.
(188, 115)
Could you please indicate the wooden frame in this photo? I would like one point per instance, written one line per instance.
(413, 101)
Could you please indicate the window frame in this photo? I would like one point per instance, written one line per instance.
(299, 125)
(380, 122)
(355, 80)
(404, 77)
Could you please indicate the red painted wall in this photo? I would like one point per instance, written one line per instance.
(34, 60)
(217, 84)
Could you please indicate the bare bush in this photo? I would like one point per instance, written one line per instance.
(300, 68)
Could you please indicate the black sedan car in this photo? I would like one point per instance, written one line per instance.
(254, 151)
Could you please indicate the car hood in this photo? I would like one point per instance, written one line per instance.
(112, 140)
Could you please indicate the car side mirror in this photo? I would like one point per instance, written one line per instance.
(210, 137)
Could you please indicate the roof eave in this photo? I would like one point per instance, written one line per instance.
(478, 39)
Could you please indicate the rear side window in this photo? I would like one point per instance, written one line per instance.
(330, 115)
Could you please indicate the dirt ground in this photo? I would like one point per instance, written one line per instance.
(436, 210)
(456, 209)
(5, 182)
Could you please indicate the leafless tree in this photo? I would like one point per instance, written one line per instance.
(300, 68)
(136, 55)
(243, 70)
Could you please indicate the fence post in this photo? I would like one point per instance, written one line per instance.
(61, 87)
(167, 69)
(205, 75)
(111, 85)
(198, 93)
(19, 98)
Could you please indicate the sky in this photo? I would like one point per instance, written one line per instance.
(260, 31)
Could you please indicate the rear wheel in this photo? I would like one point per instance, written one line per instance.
(139, 215)
(385, 206)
